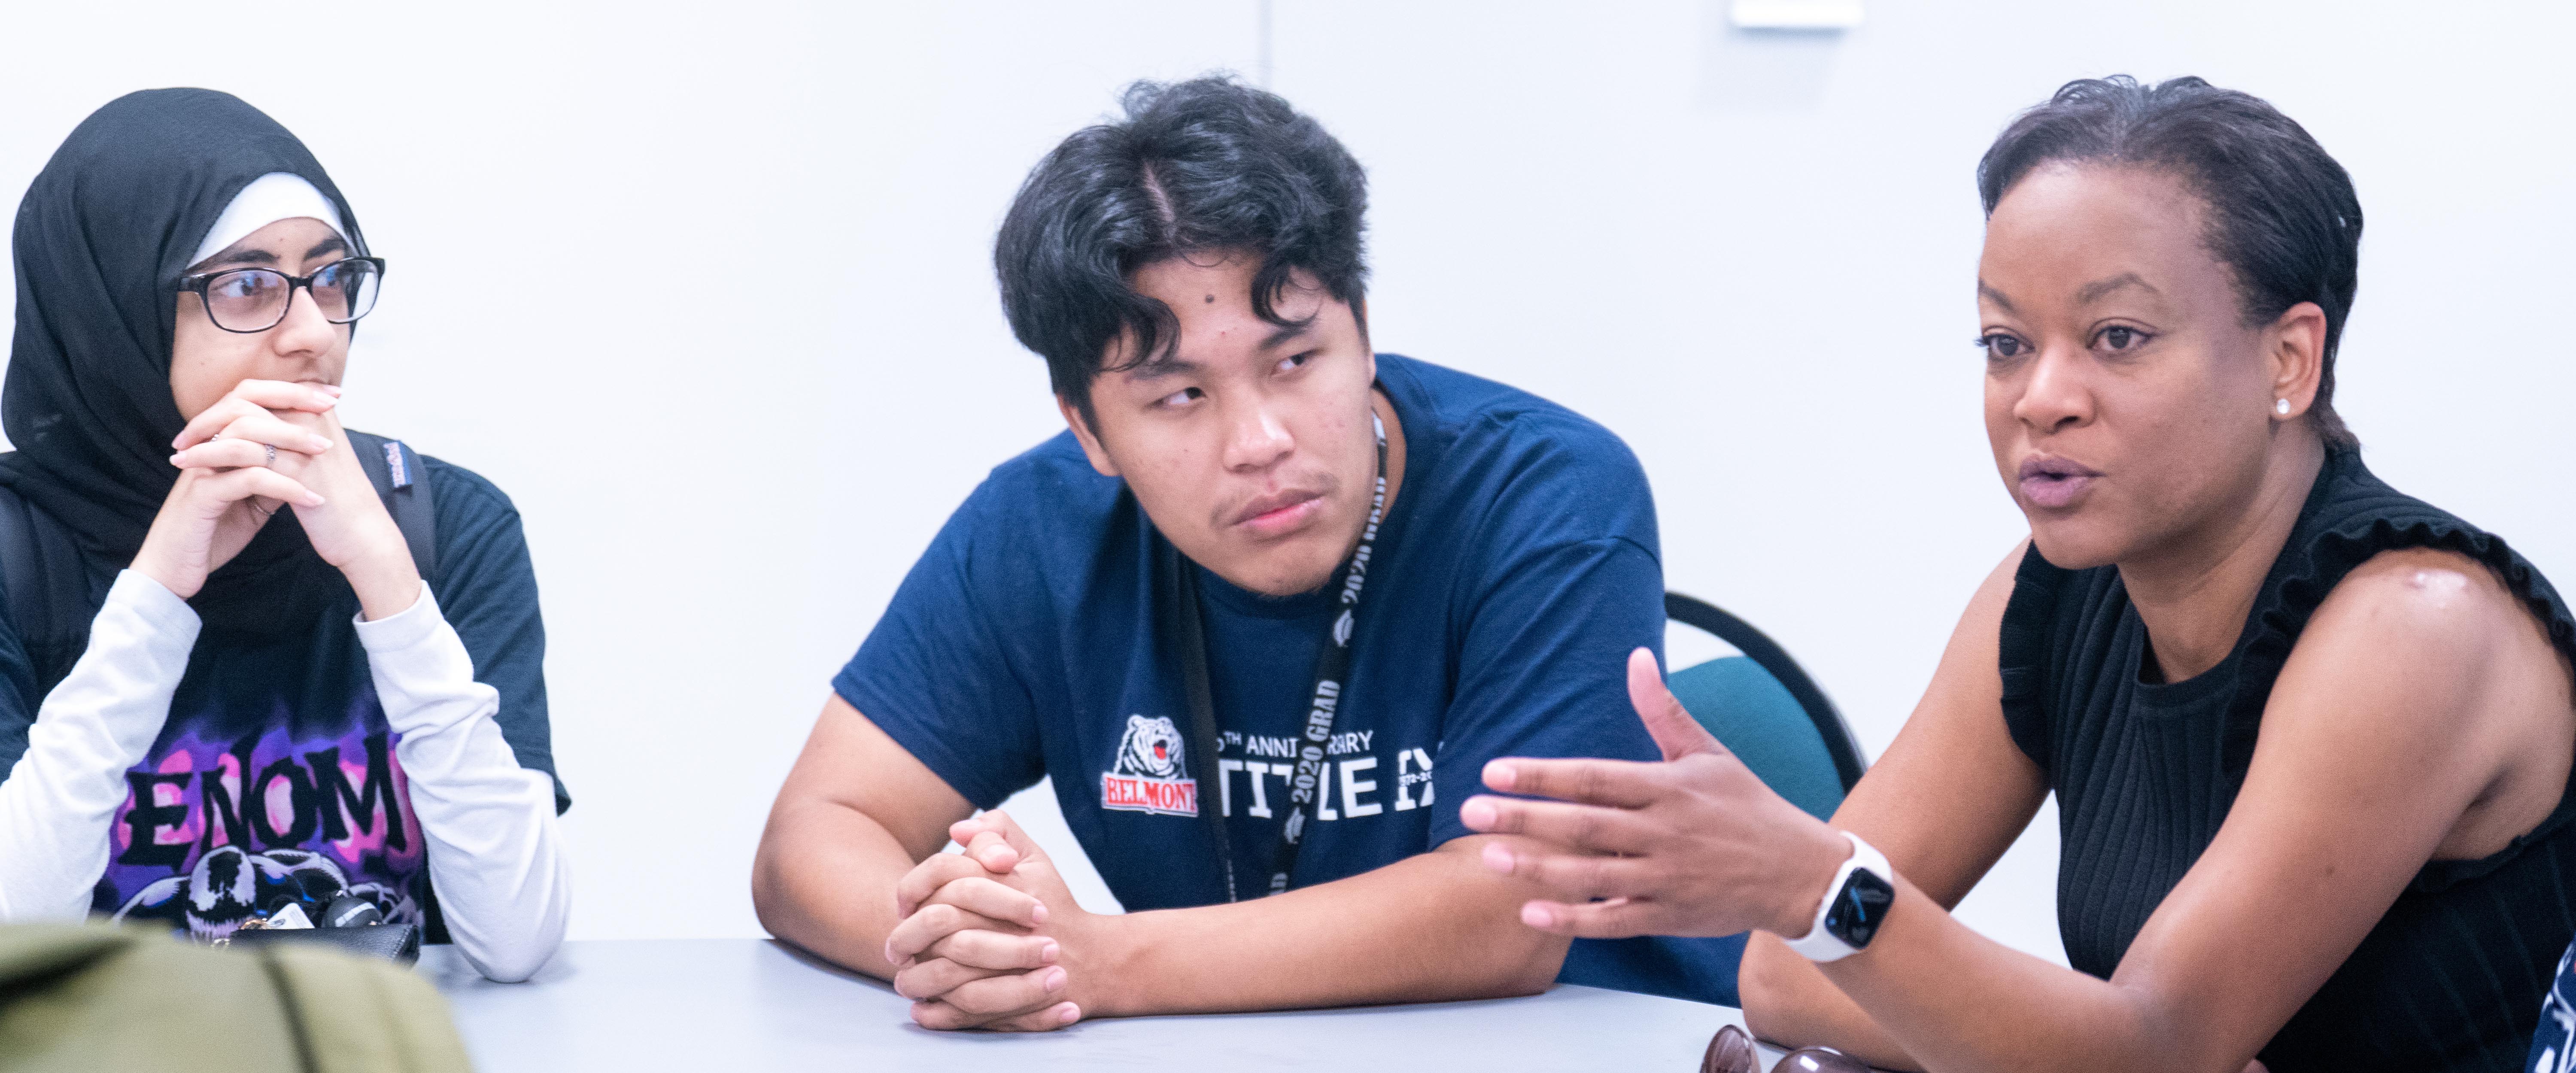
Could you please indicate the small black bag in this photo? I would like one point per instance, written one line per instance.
(398, 943)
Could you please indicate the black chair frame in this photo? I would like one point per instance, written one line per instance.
(1767, 654)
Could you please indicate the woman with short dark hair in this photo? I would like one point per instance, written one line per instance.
(288, 666)
(2311, 739)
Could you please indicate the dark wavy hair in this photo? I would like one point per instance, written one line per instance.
(2282, 213)
(1202, 166)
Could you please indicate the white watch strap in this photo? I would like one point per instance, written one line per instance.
(1820, 944)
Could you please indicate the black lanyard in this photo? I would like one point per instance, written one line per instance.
(1332, 667)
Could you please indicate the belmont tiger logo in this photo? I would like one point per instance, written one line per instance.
(1148, 775)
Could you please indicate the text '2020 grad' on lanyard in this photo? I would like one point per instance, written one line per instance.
(1323, 700)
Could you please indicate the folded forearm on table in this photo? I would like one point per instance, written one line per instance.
(1432, 927)
(824, 880)
(504, 888)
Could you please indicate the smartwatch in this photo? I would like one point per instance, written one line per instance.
(1856, 904)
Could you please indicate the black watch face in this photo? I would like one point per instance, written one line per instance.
(1860, 908)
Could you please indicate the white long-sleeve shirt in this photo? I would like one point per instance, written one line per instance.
(494, 856)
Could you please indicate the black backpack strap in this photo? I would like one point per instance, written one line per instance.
(404, 486)
(22, 569)
(46, 581)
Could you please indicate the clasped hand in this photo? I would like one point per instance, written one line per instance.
(1694, 845)
(990, 937)
(267, 445)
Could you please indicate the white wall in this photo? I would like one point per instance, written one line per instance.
(1750, 255)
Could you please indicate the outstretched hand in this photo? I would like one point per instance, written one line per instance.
(989, 935)
(1693, 845)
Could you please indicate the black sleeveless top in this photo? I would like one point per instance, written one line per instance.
(2452, 977)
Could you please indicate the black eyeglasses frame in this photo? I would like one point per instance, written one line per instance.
(198, 283)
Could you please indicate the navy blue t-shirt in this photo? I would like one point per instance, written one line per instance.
(1516, 570)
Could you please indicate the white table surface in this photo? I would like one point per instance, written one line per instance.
(756, 1006)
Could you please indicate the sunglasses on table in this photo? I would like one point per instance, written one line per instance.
(1732, 1052)
(250, 300)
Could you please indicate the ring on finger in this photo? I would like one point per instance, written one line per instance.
(272, 454)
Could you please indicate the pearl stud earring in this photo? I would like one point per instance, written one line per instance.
(2281, 407)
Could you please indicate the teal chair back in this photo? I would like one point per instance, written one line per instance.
(1767, 711)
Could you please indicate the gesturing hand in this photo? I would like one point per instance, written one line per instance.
(985, 934)
(1695, 845)
(228, 488)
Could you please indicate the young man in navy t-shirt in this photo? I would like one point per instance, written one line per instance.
(1270, 590)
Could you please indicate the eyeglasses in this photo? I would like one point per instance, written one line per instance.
(1731, 1051)
(251, 300)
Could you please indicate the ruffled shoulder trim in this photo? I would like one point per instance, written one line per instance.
(2351, 516)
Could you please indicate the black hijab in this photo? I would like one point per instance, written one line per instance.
(101, 240)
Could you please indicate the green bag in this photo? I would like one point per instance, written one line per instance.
(95, 997)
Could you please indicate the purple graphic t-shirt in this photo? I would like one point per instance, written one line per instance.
(276, 775)
(214, 829)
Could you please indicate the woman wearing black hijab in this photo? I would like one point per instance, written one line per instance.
(225, 683)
